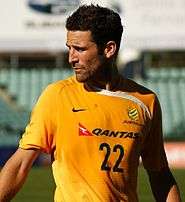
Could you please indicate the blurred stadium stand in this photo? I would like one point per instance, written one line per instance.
(12, 120)
(19, 90)
(25, 85)
(169, 85)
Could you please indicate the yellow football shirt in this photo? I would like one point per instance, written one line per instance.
(96, 139)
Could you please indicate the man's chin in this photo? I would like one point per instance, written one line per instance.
(80, 79)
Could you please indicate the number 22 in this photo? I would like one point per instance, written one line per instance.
(116, 147)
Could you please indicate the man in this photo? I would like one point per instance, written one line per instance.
(95, 125)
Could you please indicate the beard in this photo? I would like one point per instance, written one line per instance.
(95, 70)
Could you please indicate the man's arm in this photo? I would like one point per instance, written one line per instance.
(14, 173)
(164, 186)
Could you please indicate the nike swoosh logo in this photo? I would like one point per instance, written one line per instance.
(77, 110)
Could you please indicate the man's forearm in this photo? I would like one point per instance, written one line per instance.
(11, 180)
(14, 173)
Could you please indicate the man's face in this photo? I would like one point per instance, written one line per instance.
(83, 55)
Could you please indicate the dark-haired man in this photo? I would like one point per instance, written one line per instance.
(96, 124)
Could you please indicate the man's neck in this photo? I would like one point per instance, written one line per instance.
(109, 83)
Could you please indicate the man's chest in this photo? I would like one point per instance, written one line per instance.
(101, 124)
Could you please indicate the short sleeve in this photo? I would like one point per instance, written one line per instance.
(153, 153)
(40, 132)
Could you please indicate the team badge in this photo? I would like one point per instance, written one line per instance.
(133, 114)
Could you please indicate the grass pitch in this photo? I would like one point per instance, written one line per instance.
(40, 186)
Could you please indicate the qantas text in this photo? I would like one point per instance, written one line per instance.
(118, 134)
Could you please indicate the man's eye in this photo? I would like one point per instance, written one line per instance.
(79, 49)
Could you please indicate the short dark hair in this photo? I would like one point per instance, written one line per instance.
(105, 24)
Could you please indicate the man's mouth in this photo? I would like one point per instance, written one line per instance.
(77, 69)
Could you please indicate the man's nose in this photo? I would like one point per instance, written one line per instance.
(73, 56)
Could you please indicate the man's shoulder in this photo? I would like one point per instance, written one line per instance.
(132, 86)
(59, 86)
(144, 94)
(69, 82)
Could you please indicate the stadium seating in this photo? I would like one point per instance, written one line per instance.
(4, 77)
(169, 85)
(12, 123)
(27, 84)
(170, 88)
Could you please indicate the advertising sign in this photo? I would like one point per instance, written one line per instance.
(38, 25)
(154, 24)
(34, 25)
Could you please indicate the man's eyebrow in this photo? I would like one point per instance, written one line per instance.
(75, 46)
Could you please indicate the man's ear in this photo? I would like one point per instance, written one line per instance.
(110, 49)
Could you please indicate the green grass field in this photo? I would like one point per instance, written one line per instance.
(39, 186)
